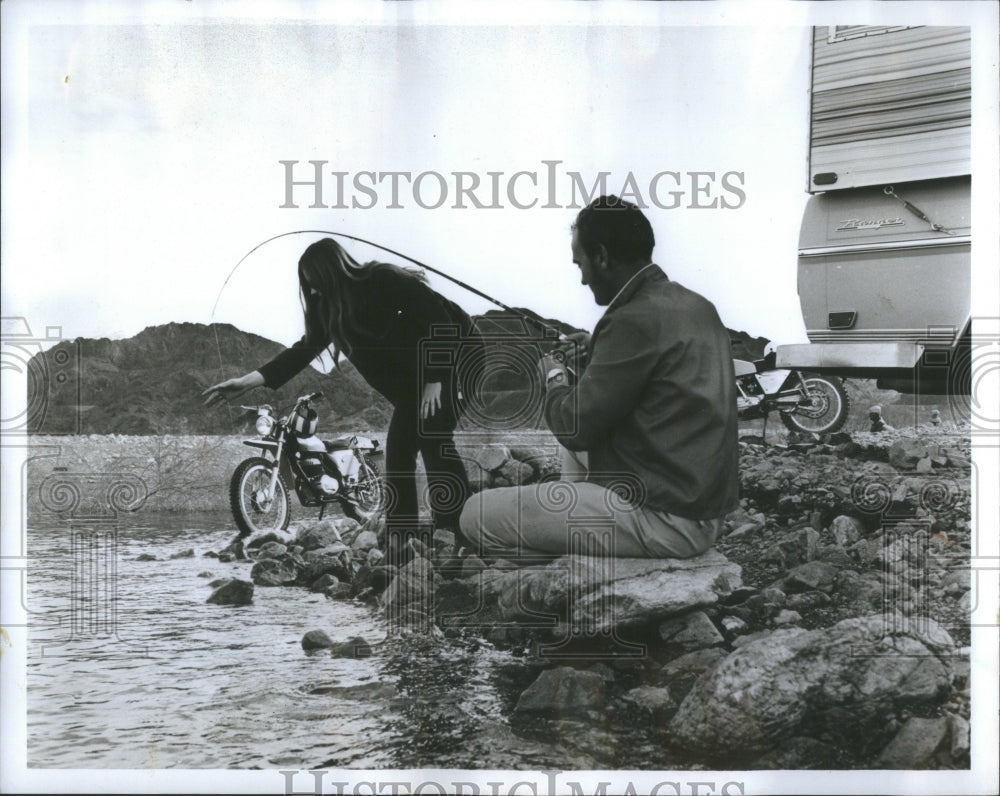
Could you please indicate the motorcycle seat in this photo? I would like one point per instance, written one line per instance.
(341, 444)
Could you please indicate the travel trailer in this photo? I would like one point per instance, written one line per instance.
(884, 276)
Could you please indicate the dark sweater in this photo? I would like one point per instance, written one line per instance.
(657, 400)
(402, 317)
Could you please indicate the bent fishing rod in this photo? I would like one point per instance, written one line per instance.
(522, 315)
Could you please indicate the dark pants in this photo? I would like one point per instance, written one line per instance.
(447, 482)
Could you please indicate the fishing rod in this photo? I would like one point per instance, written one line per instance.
(522, 315)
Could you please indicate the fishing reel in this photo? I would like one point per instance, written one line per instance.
(573, 353)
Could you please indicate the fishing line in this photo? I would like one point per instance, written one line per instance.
(523, 316)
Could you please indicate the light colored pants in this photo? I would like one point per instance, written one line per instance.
(575, 516)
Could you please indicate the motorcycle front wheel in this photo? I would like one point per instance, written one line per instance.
(253, 512)
(827, 408)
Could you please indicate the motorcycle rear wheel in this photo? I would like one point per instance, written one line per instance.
(828, 410)
(251, 512)
(370, 491)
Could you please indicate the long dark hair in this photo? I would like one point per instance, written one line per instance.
(328, 286)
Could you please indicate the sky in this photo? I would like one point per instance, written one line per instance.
(143, 150)
(151, 161)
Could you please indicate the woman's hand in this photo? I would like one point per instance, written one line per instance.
(233, 388)
(430, 401)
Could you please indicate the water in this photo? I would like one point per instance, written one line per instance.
(158, 678)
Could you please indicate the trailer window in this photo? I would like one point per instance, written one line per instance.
(847, 32)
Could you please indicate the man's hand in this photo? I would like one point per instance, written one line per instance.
(430, 401)
(232, 388)
(575, 350)
(552, 370)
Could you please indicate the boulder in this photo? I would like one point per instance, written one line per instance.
(315, 535)
(232, 592)
(274, 572)
(271, 550)
(354, 647)
(332, 560)
(491, 457)
(812, 576)
(906, 453)
(233, 552)
(324, 583)
(690, 632)
(205, 574)
(443, 538)
(189, 553)
(264, 538)
(847, 679)
(787, 617)
(365, 541)
(658, 702)
(316, 640)
(472, 565)
(602, 593)
(959, 736)
(563, 691)
(680, 674)
(846, 530)
(513, 473)
(914, 745)
(412, 586)
(145, 557)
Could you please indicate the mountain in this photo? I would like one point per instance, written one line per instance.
(152, 383)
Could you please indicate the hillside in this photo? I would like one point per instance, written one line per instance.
(151, 383)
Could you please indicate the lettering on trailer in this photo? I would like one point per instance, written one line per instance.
(870, 223)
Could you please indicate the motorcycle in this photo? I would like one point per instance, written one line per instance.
(321, 472)
(810, 403)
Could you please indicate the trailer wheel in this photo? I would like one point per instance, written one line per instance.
(827, 408)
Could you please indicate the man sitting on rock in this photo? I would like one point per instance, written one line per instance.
(649, 429)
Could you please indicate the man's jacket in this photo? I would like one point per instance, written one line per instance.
(657, 401)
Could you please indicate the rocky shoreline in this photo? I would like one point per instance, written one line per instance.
(828, 629)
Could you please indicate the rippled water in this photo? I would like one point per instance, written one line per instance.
(181, 683)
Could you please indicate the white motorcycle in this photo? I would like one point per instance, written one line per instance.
(321, 472)
(810, 403)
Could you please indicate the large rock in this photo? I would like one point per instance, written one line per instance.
(905, 454)
(563, 691)
(915, 744)
(846, 530)
(602, 593)
(812, 576)
(690, 632)
(271, 550)
(412, 586)
(321, 533)
(275, 571)
(232, 592)
(317, 640)
(846, 680)
(333, 560)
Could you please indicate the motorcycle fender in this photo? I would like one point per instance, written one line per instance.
(771, 381)
(262, 444)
